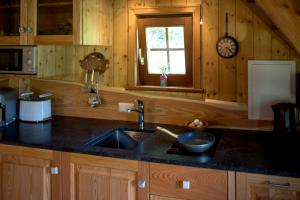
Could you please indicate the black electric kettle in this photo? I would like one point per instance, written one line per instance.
(286, 117)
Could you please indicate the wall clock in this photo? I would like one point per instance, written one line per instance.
(227, 46)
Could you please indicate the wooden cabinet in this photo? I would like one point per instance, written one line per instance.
(26, 174)
(94, 178)
(187, 183)
(29, 22)
(264, 187)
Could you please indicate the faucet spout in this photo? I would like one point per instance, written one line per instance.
(140, 111)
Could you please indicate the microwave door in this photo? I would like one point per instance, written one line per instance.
(11, 60)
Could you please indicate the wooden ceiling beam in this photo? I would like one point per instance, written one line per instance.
(282, 16)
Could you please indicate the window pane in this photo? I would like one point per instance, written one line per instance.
(156, 37)
(156, 61)
(176, 37)
(177, 62)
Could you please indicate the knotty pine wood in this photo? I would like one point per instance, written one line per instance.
(62, 62)
(97, 22)
(222, 80)
(227, 67)
(143, 174)
(94, 177)
(69, 100)
(244, 34)
(285, 16)
(166, 180)
(256, 186)
(25, 173)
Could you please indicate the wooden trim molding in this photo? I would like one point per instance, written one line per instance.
(132, 76)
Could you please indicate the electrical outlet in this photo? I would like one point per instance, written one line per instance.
(123, 107)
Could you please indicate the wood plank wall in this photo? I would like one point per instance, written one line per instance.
(62, 62)
(223, 79)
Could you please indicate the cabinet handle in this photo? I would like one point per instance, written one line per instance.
(22, 29)
(54, 170)
(185, 185)
(142, 184)
(29, 30)
(279, 185)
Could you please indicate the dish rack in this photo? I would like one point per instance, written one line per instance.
(94, 65)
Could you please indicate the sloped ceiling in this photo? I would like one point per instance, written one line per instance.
(283, 16)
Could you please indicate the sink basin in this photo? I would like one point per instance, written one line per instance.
(120, 139)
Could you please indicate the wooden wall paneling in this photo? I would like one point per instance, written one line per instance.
(262, 40)
(197, 49)
(70, 64)
(120, 40)
(280, 50)
(210, 58)
(60, 58)
(62, 62)
(227, 67)
(97, 13)
(132, 28)
(244, 34)
(285, 15)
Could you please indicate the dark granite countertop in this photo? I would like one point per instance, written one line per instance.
(239, 150)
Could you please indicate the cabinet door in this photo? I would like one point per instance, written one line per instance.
(25, 175)
(10, 12)
(25, 178)
(54, 22)
(95, 178)
(263, 187)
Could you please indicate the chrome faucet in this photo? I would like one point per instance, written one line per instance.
(140, 111)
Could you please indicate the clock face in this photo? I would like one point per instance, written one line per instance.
(227, 47)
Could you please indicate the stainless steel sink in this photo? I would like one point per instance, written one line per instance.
(120, 139)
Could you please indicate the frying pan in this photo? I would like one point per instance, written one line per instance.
(196, 142)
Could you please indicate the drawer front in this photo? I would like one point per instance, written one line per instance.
(256, 186)
(187, 182)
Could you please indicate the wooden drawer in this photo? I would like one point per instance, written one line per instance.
(257, 186)
(204, 184)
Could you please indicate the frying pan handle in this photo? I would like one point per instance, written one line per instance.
(166, 131)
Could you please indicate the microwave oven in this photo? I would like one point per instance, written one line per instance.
(18, 59)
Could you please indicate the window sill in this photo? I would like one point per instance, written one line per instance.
(167, 89)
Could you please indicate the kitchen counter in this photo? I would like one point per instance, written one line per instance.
(239, 150)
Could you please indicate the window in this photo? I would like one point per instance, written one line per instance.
(164, 39)
(165, 45)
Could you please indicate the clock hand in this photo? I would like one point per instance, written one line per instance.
(229, 49)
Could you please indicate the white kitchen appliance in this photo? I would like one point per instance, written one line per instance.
(35, 108)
